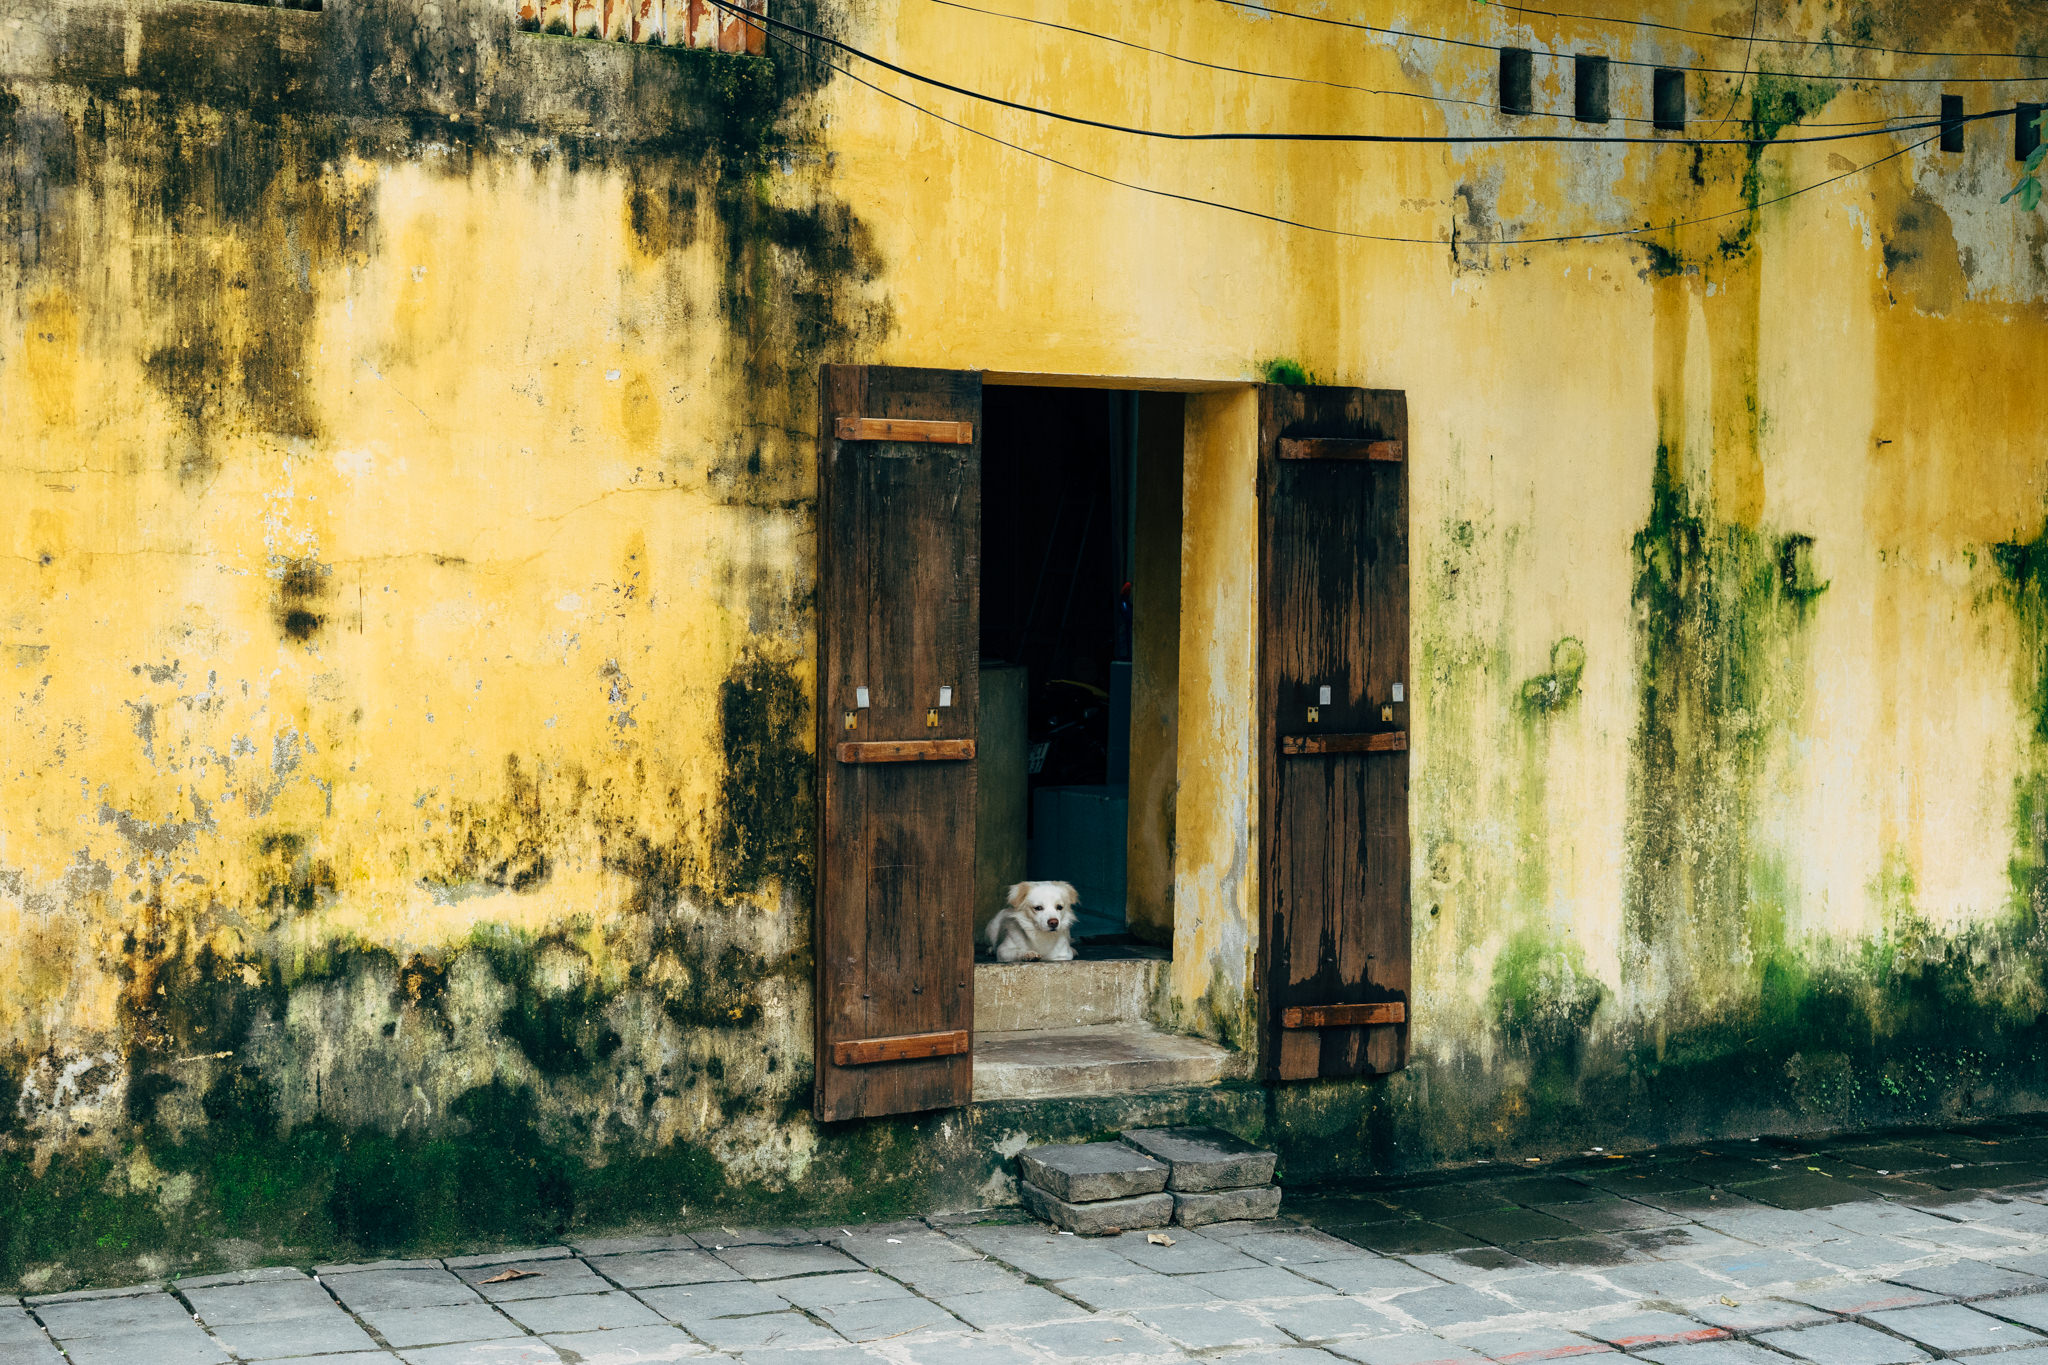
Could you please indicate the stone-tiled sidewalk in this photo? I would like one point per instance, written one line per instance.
(1846, 1251)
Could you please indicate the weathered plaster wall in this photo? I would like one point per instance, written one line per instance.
(405, 463)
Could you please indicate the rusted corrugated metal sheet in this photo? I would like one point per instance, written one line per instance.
(668, 23)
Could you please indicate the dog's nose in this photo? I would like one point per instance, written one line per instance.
(1052, 921)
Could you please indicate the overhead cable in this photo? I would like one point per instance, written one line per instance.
(1258, 8)
(1782, 42)
(1317, 228)
(1396, 139)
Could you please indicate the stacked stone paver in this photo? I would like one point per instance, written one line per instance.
(1217, 1177)
(1827, 1252)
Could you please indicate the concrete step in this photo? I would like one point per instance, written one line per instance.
(1101, 1059)
(1011, 997)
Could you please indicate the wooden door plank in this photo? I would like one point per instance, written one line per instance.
(899, 518)
(1334, 448)
(1343, 1016)
(904, 429)
(1333, 643)
(1385, 742)
(902, 1048)
(906, 751)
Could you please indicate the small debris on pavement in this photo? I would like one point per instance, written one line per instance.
(511, 1273)
(1159, 1239)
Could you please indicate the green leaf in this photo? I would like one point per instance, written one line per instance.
(2030, 195)
(2034, 161)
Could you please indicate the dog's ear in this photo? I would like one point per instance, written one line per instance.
(1068, 893)
(1015, 896)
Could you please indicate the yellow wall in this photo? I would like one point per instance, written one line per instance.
(492, 356)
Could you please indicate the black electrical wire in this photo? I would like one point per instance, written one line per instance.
(1622, 61)
(1398, 139)
(1783, 42)
(1275, 218)
(1340, 85)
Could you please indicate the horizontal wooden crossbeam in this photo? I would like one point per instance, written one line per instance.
(905, 1047)
(1335, 448)
(1343, 1016)
(1380, 742)
(904, 429)
(906, 751)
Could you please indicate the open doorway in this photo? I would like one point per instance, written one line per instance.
(1080, 621)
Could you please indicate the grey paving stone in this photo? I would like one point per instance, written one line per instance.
(1556, 1292)
(1023, 1306)
(837, 1353)
(690, 1304)
(79, 1319)
(1408, 1348)
(614, 1246)
(1764, 1226)
(17, 1328)
(1451, 1304)
(1532, 1344)
(1861, 1252)
(1374, 1275)
(893, 1247)
(1758, 1315)
(877, 1319)
(581, 1313)
(1481, 1265)
(1256, 1286)
(1762, 1265)
(158, 1346)
(1860, 1297)
(830, 1291)
(646, 1269)
(270, 1274)
(1035, 1250)
(1610, 1213)
(961, 1350)
(1967, 1280)
(309, 1334)
(1221, 1206)
(2031, 1263)
(773, 1262)
(1667, 1280)
(786, 1330)
(1954, 1329)
(1635, 1330)
(1712, 1353)
(1106, 1217)
(516, 1257)
(440, 1323)
(1588, 1251)
(375, 1291)
(1979, 1240)
(349, 1358)
(1407, 1236)
(510, 1351)
(629, 1346)
(1190, 1254)
(1328, 1319)
(1147, 1290)
(89, 1295)
(1510, 1226)
(1684, 1242)
(1205, 1158)
(1208, 1329)
(1279, 1355)
(263, 1301)
(1887, 1220)
(1083, 1172)
(357, 1267)
(1843, 1343)
(1097, 1339)
(1292, 1248)
(719, 1238)
(538, 1279)
(961, 1277)
(2031, 1309)
(29, 1353)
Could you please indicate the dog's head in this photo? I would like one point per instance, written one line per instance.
(1048, 905)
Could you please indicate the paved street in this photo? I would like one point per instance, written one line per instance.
(1845, 1251)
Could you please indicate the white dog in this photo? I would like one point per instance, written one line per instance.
(1034, 924)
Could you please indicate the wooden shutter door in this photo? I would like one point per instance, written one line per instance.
(899, 527)
(1334, 768)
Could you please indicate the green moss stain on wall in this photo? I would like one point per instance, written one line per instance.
(2022, 567)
